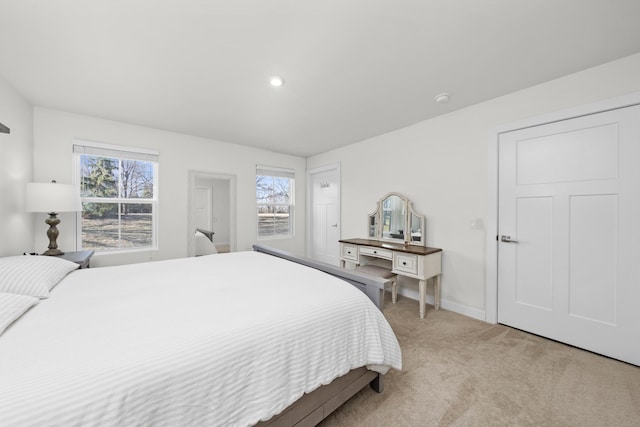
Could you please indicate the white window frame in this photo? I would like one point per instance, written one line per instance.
(122, 153)
(262, 170)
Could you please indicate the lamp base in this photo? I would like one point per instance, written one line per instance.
(52, 234)
(53, 252)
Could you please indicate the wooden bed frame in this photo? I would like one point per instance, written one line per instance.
(370, 285)
(313, 407)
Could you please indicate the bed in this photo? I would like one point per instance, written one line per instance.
(229, 339)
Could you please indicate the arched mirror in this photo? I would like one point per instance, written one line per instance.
(395, 220)
(393, 216)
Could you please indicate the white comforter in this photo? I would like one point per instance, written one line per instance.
(227, 339)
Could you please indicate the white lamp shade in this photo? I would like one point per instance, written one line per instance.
(52, 197)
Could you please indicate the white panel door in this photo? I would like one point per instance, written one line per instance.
(325, 216)
(569, 231)
(203, 207)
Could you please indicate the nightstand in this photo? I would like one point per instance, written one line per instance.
(82, 258)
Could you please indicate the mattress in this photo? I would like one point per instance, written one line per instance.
(226, 339)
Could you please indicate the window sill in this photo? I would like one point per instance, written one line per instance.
(124, 251)
(263, 239)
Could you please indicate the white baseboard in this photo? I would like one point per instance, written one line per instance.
(446, 304)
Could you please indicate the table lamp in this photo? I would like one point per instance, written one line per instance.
(52, 198)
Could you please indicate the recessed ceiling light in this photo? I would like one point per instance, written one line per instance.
(276, 81)
(441, 98)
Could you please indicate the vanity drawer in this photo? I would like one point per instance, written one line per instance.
(406, 263)
(376, 252)
(350, 252)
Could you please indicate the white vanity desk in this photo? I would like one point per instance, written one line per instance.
(418, 262)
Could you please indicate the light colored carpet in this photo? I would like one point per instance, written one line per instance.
(463, 372)
(222, 248)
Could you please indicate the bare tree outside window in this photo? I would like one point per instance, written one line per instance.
(274, 199)
(118, 203)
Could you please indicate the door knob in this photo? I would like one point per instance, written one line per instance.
(507, 239)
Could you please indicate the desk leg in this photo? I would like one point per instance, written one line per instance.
(436, 291)
(423, 296)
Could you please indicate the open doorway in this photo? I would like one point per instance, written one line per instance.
(212, 210)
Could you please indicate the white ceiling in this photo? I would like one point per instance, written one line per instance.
(353, 68)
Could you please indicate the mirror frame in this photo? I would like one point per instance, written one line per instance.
(408, 213)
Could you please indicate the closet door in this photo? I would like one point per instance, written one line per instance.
(569, 215)
(324, 219)
(202, 207)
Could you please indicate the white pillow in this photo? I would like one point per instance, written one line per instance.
(33, 275)
(13, 306)
(204, 246)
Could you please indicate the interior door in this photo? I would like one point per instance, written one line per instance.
(325, 215)
(203, 207)
(569, 214)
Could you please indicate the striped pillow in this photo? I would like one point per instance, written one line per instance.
(13, 306)
(33, 275)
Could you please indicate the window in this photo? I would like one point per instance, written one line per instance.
(119, 191)
(274, 199)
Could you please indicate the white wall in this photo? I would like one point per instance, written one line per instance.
(441, 164)
(55, 131)
(16, 169)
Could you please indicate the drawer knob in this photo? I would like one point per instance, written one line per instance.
(375, 252)
(349, 252)
(404, 263)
